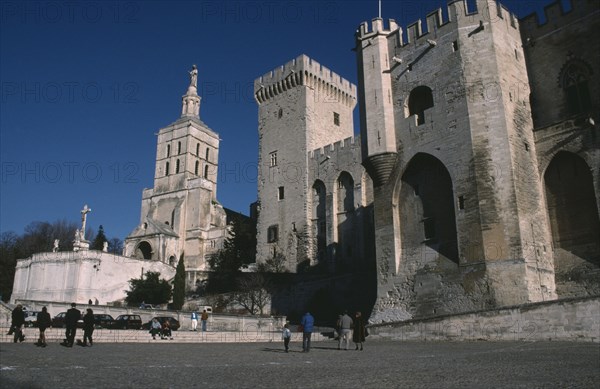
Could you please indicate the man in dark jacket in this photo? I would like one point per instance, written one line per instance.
(73, 315)
(18, 319)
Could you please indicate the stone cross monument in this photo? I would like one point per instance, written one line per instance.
(80, 243)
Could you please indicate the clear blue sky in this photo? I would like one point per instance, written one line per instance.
(86, 85)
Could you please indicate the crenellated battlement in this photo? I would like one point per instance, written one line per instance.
(457, 11)
(304, 71)
(346, 145)
(555, 14)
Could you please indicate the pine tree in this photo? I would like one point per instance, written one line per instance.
(99, 240)
(151, 290)
(179, 285)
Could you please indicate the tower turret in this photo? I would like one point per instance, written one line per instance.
(376, 102)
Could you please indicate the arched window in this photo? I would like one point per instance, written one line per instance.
(206, 171)
(178, 147)
(197, 167)
(167, 168)
(574, 77)
(345, 193)
(168, 150)
(419, 100)
(177, 167)
(197, 148)
(207, 152)
(318, 205)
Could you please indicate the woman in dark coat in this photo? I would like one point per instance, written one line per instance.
(88, 326)
(358, 336)
(43, 322)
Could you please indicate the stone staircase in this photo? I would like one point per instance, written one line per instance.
(56, 335)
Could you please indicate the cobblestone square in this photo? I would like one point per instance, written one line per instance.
(266, 365)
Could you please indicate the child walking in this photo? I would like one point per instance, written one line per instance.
(286, 335)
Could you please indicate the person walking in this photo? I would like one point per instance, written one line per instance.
(17, 322)
(43, 321)
(71, 318)
(345, 326)
(204, 320)
(88, 327)
(194, 320)
(307, 323)
(286, 334)
(360, 331)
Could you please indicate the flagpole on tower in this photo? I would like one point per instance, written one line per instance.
(379, 9)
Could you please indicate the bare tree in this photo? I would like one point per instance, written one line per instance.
(253, 293)
(274, 264)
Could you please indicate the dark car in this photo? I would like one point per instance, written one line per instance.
(161, 319)
(102, 320)
(58, 321)
(132, 322)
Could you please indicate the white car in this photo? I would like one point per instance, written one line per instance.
(31, 318)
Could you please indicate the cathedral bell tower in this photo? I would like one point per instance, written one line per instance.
(180, 214)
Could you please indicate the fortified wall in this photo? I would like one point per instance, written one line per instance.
(448, 139)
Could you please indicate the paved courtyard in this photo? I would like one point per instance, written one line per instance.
(265, 365)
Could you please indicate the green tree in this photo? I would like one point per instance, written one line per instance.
(151, 290)
(179, 285)
(9, 253)
(99, 240)
(238, 249)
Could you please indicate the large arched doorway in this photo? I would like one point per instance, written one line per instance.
(427, 215)
(574, 221)
(143, 250)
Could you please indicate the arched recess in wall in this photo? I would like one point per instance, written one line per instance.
(420, 99)
(143, 250)
(573, 213)
(172, 260)
(318, 213)
(426, 210)
(345, 211)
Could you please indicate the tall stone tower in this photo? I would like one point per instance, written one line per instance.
(181, 213)
(303, 106)
(447, 138)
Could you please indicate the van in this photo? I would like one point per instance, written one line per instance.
(206, 308)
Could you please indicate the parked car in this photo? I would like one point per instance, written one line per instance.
(161, 319)
(58, 321)
(31, 318)
(147, 306)
(102, 320)
(133, 322)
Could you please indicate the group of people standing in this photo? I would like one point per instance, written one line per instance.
(345, 328)
(44, 321)
(71, 319)
(203, 319)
